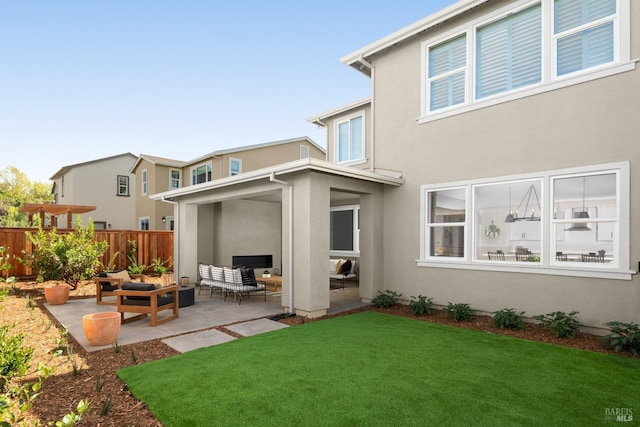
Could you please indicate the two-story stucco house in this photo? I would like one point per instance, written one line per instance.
(104, 183)
(157, 175)
(494, 165)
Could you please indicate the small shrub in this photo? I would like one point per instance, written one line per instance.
(386, 299)
(460, 311)
(15, 357)
(623, 337)
(508, 319)
(561, 324)
(421, 305)
(69, 257)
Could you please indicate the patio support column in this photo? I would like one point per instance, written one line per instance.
(311, 244)
(371, 244)
(185, 241)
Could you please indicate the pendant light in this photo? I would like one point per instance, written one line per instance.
(583, 214)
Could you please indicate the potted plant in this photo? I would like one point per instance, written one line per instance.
(57, 293)
(101, 328)
(161, 274)
(266, 273)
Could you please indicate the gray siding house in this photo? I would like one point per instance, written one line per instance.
(492, 165)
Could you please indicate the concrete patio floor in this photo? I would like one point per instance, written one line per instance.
(195, 326)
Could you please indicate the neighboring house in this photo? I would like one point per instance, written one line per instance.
(492, 166)
(104, 183)
(157, 175)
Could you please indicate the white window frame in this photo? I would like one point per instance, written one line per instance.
(619, 270)
(336, 144)
(125, 186)
(239, 161)
(173, 182)
(356, 231)
(169, 224)
(622, 60)
(144, 182)
(208, 165)
(144, 220)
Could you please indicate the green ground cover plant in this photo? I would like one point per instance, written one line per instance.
(370, 368)
(623, 337)
(386, 299)
(561, 324)
(507, 318)
(460, 311)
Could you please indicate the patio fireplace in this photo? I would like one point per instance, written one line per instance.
(253, 261)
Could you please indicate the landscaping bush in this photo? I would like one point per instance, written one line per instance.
(14, 358)
(460, 311)
(421, 305)
(386, 299)
(623, 336)
(507, 318)
(561, 324)
(69, 257)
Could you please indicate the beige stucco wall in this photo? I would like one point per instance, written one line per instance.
(587, 124)
(95, 184)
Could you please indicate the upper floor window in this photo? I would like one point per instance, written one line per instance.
(175, 176)
(567, 222)
(143, 223)
(202, 173)
(513, 52)
(123, 185)
(447, 73)
(350, 138)
(62, 186)
(143, 182)
(235, 166)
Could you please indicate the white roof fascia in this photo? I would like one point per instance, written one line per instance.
(319, 118)
(449, 12)
(310, 164)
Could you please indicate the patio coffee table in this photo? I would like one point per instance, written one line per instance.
(186, 295)
(272, 283)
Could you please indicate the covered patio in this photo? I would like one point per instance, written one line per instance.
(283, 211)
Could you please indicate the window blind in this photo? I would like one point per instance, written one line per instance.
(509, 53)
(447, 69)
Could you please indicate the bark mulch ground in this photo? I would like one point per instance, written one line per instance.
(92, 376)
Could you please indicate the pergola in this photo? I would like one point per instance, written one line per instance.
(55, 211)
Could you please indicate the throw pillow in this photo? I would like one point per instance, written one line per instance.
(346, 267)
(339, 266)
(124, 275)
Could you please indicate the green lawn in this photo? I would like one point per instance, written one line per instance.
(374, 369)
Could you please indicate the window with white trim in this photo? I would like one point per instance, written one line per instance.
(565, 222)
(175, 177)
(123, 185)
(350, 138)
(344, 226)
(143, 184)
(143, 223)
(513, 52)
(235, 166)
(201, 173)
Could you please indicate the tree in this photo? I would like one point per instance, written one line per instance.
(16, 190)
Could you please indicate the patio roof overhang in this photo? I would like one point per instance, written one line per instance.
(302, 165)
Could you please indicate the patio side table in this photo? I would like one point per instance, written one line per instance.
(186, 295)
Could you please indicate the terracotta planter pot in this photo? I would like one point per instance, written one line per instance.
(101, 328)
(57, 294)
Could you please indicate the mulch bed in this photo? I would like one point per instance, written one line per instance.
(92, 376)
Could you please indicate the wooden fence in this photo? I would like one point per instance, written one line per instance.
(150, 245)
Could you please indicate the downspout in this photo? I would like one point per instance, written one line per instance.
(176, 248)
(273, 178)
(372, 166)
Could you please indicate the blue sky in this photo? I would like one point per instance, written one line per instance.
(85, 79)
